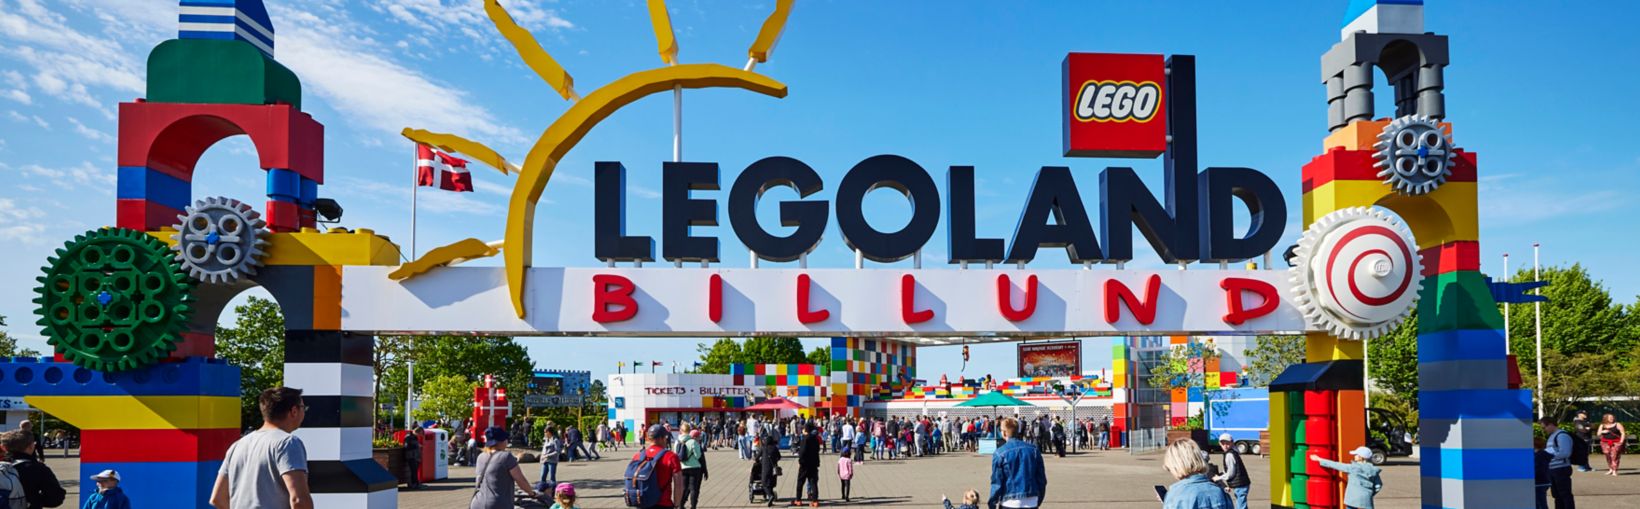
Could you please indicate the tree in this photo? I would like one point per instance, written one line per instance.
(1579, 317)
(1581, 379)
(1269, 356)
(1392, 360)
(256, 343)
(390, 359)
(821, 355)
(715, 359)
(8, 344)
(446, 396)
(773, 350)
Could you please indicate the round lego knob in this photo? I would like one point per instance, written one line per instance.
(1355, 273)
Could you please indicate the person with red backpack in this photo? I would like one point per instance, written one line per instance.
(654, 478)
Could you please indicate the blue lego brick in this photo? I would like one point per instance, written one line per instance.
(805, 391)
(244, 20)
(1476, 464)
(137, 182)
(839, 342)
(1476, 403)
(158, 484)
(611, 414)
(1460, 345)
(309, 194)
(1193, 394)
(737, 369)
(284, 185)
(193, 376)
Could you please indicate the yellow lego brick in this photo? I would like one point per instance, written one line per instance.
(141, 412)
(1447, 214)
(1281, 491)
(1362, 134)
(1321, 347)
(805, 380)
(309, 247)
(1212, 380)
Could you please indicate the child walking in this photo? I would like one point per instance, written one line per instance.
(845, 470)
(970, 500)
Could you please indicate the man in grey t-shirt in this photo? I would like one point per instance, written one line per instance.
(268, 467)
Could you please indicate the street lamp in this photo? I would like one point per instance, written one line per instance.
(1071, 396)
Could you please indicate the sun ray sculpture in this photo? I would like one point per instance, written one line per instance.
(586, 112)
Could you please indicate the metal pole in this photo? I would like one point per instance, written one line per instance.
(677, 123)
(410, 392)
(415, 182)
(1507, 278)
(1537, 319)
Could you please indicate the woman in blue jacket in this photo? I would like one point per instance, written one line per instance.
(1186, 462)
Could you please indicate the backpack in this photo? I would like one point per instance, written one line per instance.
(11, 488)
(641, 488)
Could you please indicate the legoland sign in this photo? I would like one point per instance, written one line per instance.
(1115, 106)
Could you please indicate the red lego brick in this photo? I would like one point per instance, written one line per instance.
(195, 344)
(155, 445)
(144, 215)
(283, 216)
(170, 137)
(1341, 164)
(1462, 255)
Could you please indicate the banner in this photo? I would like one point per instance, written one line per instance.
(1050, 359)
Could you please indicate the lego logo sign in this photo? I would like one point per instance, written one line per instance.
(1115, 105)
(1110, 101)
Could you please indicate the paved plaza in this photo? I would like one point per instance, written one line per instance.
(1090, 479)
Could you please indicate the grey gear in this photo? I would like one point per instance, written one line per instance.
(220, 240)
(1414, 155)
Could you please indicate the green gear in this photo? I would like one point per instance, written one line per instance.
(114, 299)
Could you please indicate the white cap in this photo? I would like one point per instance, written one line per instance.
(1362, 452)
(1225, 437)
(106, 474)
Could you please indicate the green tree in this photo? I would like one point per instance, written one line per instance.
(1579, 317)
(821, 355)
(1269, 356)
(445, 396)
(773, 350)
(473, 357)
(8, 344)
(1581, 379)
(256, 343)
(716, 358)
(1392, 360)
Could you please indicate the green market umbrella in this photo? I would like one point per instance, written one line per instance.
(993, 399)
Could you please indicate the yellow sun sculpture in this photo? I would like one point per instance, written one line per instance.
(574, 124)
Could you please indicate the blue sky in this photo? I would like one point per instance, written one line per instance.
(1537, 91)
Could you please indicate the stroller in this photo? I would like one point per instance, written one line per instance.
(755, 485)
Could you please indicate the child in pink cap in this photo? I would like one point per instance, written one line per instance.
(564, 497)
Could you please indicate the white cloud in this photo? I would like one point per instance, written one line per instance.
(18, 95)
(353, 74)
(35, 119)
(65, 62)
(89, 133)
(1513, 199)
(468, 17)
(83, 176)
(21, 223)
(644, 192)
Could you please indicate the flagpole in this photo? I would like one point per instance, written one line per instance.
(1537, 321)
(415, 182)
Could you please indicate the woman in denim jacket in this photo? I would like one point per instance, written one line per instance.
(1017, 477)
(1187, 463)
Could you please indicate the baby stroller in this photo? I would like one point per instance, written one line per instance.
(755, 486)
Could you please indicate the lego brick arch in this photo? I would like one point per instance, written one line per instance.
(161, 143)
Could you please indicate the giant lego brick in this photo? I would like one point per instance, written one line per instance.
(1476, 403)
(142, 412)
(1457, 301)
(170, 137)
(159, 483)
(1478, 494)
(193, 376)
(139, 183)
(144, 215)
(227, 20)
(151, 445)
(1450, 257)
(1473, 463)
(219, 72)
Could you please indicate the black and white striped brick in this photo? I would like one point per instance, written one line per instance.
(333, 369)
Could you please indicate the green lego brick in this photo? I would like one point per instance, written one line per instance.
(1301, 487)
(1457, 301)
(205, 71)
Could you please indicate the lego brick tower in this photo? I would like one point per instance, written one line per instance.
(1475, 429)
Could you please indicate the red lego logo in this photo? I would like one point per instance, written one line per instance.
(1115, 105)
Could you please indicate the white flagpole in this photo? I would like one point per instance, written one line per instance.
(1507, 278)
(1537, 311)
(415, 182)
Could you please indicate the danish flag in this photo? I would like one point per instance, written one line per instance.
(452, 171)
